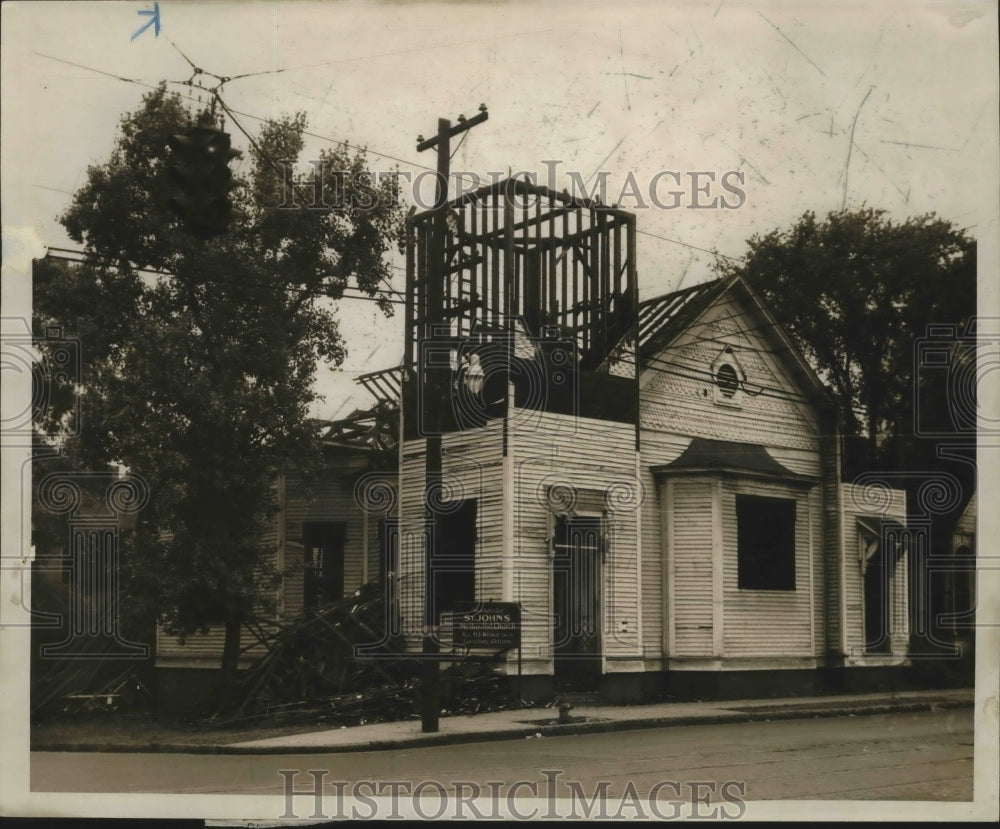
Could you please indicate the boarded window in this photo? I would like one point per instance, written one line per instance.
(766, 542)
(453, 558)
(323, 555)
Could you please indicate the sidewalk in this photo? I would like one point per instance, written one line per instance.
(535, 723)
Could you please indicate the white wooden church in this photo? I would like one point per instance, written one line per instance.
(655, 481)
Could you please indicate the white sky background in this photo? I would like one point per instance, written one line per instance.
(772, 89)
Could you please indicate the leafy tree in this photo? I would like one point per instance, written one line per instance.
(856, 292)
(199, 357)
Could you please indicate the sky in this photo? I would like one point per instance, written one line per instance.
(796, 106)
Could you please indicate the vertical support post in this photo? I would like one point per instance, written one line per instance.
(409, 309)
(432, 478)
(433, 396)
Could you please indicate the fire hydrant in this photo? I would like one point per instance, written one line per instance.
(564, 709)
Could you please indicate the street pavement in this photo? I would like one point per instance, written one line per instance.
(544, 722)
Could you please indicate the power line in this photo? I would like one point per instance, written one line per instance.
(671, 367)
(277, 168)
(658, 364)
(327, 138)
(722, 338)
(219, 279)
(691, 373)
(368, 150)
(449, 45)
(98, 71)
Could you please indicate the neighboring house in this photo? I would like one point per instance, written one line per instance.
(959, 601)
(660, 489)
(328, 541)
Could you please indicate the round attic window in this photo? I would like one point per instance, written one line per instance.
(727, 380)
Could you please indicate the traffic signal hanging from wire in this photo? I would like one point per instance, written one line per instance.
(202, 172)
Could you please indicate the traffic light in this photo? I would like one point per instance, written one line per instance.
(203, 175)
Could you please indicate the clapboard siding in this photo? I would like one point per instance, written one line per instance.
(657, 448)
(471, 468)
(811, 463)
(198, 646)
(818, 561)
(802, 462)
(411, 539)
(901, 605)
(205, 649)
(872, 502)
(690, 539)
(678, 402)
(767, 622)
(752, 618)
(677, 391)
(597, 459)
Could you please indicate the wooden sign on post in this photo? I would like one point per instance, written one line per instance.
(493, 625)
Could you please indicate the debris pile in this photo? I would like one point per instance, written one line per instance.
(76, 684)
(325, 660)
(79, 674)
(337, 666)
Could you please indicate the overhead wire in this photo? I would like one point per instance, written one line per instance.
(280, 170)
(220, 279)
(216, 97)
(657, 364)
(336, 141)
(681, 370)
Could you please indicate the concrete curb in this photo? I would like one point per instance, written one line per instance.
(527, 731)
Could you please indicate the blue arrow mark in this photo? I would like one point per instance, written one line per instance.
(154, 16)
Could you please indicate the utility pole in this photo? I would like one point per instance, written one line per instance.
(433, 396)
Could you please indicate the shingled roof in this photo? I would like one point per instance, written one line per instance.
(724, 456)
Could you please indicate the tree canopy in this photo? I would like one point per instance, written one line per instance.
(857, 292)
(199, 357)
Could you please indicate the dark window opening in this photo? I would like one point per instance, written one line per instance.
(877, 604)
(766, 542)
(323, 557)
(453, 558)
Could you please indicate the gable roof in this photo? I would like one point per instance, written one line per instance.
(664, 318)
